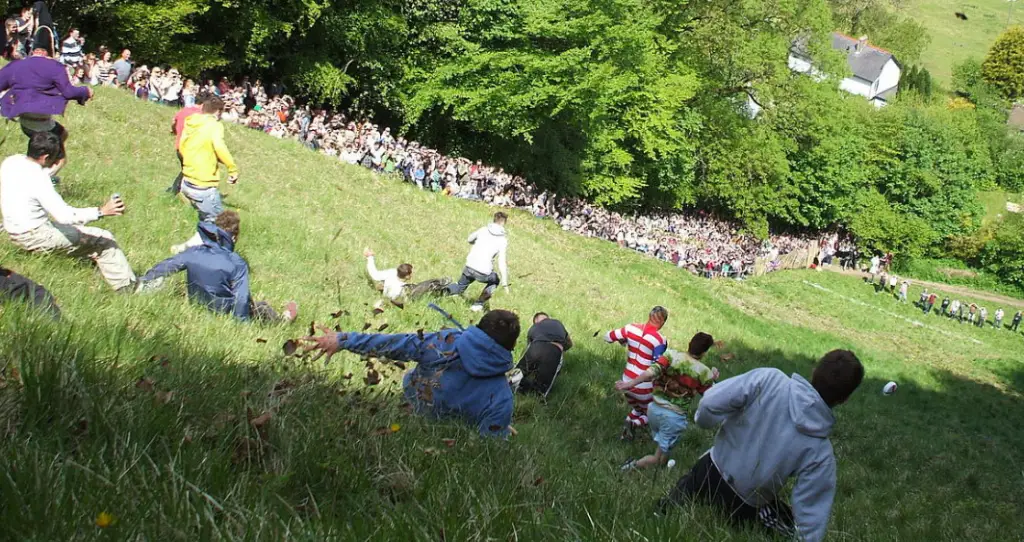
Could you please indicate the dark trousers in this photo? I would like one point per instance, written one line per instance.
(704, 483)
(469, 276)
(263, 312)
(540, 366)
(176, 185)
(16, 287)
(1015, 325)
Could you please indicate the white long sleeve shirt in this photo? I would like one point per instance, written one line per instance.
(393, 285)
(27, 196)
(488, 242)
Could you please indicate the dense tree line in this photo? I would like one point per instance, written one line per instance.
(632, 103)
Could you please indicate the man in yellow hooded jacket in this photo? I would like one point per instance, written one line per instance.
(202, 151)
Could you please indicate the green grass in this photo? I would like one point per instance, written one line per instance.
(953, 40)
(940, 460)
(995, 204)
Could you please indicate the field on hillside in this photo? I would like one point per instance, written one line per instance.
(954, 40)
(173, 457)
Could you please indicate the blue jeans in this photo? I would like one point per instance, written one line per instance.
(469, 276)
(207, 201)
(666, 426)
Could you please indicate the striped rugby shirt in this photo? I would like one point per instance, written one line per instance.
(645, 345)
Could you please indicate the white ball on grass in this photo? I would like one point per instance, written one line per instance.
(890, 388)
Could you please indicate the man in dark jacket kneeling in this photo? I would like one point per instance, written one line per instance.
(458, 373)
(217, 276)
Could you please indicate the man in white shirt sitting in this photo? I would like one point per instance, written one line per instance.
(488, 242)
(394, 279)
(38, 220)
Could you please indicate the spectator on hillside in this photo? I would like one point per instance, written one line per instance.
(954, 310)
(25, 22)
(744, 472)
(944, 306)
(15, 47)
(999, 318)
(393, 280)
(105, 72)
(488, 242)
(123, 67)
(202, 151)
(1015, 325)
(188, 93)
(216, 275)
(459, 374)
(678, 377)
(904, 289)
(71, 49)
(930, 303)
(28, 202)
(15, 287)
(38, 88)
(982, 317)
(972, 315)
(178, 128)
(546, 343)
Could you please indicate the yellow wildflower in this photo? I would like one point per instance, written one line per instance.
(395, 427)
(105, 519)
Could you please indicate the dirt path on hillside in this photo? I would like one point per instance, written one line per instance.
(959, 290)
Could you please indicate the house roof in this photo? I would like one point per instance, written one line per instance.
(866, 63)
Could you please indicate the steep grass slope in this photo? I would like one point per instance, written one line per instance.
(138, 406)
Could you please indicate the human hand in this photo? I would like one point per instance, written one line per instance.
(367, 253)
(714, 373)
(90, 92)
(323, 344)
(113, 207)
(232, 179)
(512, 431)
(624, 385)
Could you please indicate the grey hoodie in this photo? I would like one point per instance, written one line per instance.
(774, 427)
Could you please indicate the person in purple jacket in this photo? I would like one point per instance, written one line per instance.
(37, 88)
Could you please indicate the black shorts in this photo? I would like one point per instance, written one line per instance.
(58, 130)
(540, 366)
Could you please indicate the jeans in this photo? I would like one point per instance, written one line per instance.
(207, 201)
(176, 185)
(666, 425)
(469, 276)
(16, 287)
(81, 241)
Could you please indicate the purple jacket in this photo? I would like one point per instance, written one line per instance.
(37, 85)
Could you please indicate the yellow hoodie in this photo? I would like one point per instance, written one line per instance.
(202, 147)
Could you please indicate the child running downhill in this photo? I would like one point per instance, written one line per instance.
(645, 344)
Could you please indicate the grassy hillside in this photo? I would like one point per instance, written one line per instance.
(173, 457)
(954, 40)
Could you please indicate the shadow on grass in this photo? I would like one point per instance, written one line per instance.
(168, 438)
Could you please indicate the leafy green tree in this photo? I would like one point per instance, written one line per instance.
(1004, 254)
(1004, 66)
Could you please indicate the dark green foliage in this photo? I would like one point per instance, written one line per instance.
(1003, 255)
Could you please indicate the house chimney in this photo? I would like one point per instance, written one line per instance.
(862, 42)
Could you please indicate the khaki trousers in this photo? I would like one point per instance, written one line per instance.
(96, 244)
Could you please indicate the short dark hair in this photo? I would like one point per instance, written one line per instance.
(837, 376)
(42, 144)
(404, 271)
(202, 97)
(538, 315)
(228, 221)
(699, 344)
(502, 326)
(500, 217)
(213, 105)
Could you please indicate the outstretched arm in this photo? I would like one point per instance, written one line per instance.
(728, 397)
(371, 268)
(616, 336)
(813, 495)
(166, 268)
(503, 265)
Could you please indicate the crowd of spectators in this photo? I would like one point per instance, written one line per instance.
(697, 241)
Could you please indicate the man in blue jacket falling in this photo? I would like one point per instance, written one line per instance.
(458, 373)
(217, 276)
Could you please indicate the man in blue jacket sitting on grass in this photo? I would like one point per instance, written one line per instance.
(458, 373)
(217, 276)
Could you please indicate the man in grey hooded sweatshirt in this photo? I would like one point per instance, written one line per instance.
(488, 242)
(772, 427)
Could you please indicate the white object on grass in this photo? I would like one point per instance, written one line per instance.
(671, 463)
(890, 388)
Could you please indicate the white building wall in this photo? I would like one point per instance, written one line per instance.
(799, 65)
(889, 77)
(856, 86)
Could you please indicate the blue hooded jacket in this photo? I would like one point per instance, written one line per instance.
(217, 276)
(458, 373)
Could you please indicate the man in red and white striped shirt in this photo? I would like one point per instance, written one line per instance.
(645, 344)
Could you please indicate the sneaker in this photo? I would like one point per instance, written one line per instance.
(149, 285)
(128, 289)
(178, 249)
(628, 432)
(476, 307)
(629, 465)
(291, 312)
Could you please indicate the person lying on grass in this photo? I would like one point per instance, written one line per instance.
(772, 427)
(677, 377)
(459, 374)
(393, 280)
(217, 276)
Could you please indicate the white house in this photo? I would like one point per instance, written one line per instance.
(875, 72)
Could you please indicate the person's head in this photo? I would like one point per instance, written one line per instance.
(213, 106)
(173, 73)
(106, 56)
(229, 222)
(43, 148)
(500, 218)
(404, 271)
(837, 376)
(126, 54)
(502, 326)
(26, 12)
(700, 344)
(12, 26)
(540, 317)
(202, 96)
(658, 317)
(73, 34)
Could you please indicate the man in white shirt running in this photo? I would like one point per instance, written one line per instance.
(488, 242)
(393, 279)
(28, 202)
